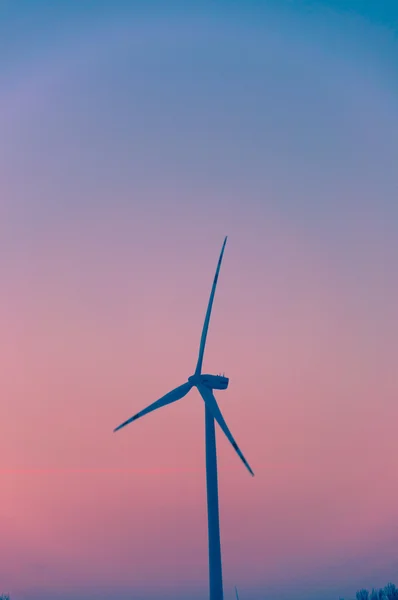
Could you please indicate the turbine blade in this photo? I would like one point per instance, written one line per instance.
(236, 592)
(211, 402)
(208, 313)
(168, 398)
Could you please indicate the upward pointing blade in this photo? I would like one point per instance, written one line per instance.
(211, 402)
(168, 398)
(236, 592)
(198, 369)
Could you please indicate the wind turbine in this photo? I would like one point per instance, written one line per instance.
(206, 384)
(236, 592)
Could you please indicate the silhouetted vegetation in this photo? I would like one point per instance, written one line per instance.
(389, 592)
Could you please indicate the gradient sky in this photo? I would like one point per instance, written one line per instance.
(134, 136)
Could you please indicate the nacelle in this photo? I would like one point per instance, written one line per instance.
(215, 382)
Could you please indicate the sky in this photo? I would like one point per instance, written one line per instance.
(134, 137)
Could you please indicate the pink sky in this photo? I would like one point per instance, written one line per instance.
(311, 402)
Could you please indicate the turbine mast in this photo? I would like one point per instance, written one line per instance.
(213, 517)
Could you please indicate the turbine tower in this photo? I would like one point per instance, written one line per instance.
(205, 385)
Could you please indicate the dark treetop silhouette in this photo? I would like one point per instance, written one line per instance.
(206, 384)
(389, 592)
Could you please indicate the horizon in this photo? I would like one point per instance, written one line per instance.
(135, 137)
